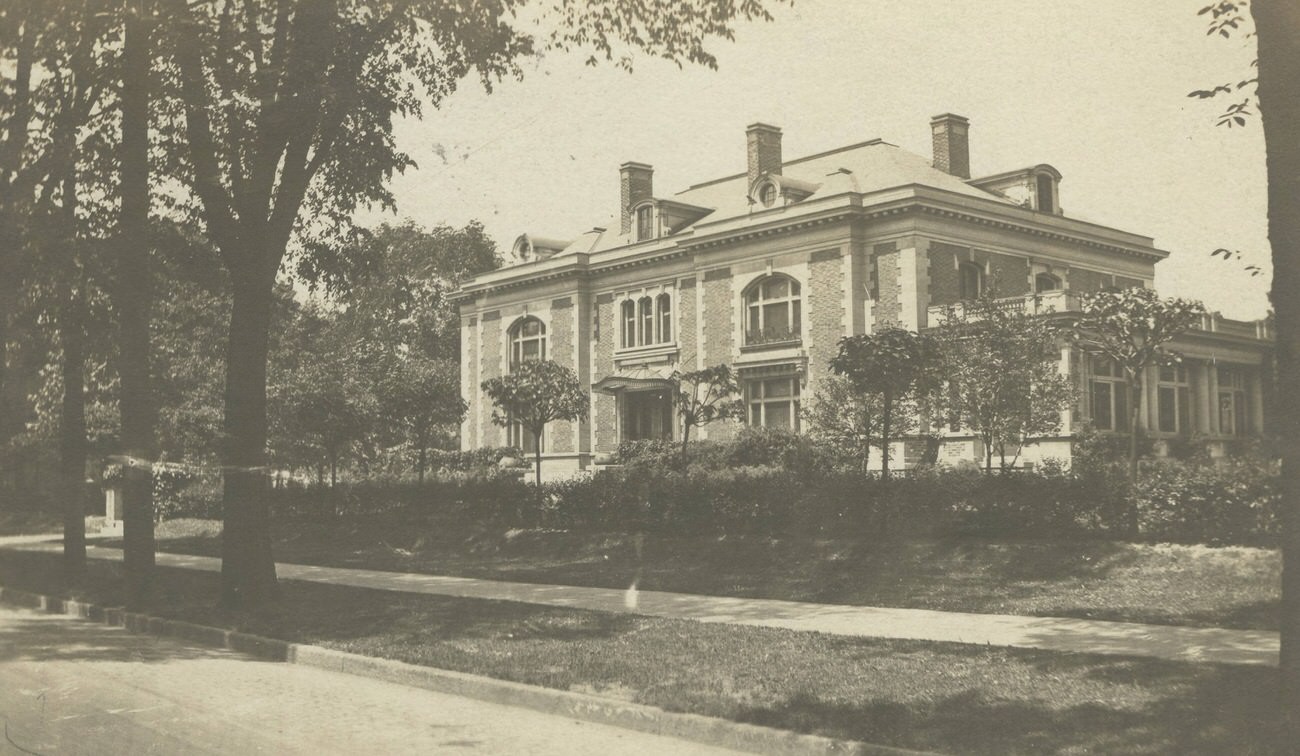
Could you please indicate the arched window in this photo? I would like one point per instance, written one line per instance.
(629, 324)
(767, 195)
(527, 341)
(645, 308)
(1044, 188)
(970, 280)
(1046, 282)
(772, 311)
(664, 303)
(644, 223)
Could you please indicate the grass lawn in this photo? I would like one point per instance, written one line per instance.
(1233, 587)
(943, 697)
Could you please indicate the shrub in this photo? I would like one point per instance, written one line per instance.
(1237, 502)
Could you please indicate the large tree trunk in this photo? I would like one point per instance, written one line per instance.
(133, 301)
(247, 566)
(1277, 24)
(72, 420)
(886, 435)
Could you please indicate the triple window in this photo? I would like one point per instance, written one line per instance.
(647, 321)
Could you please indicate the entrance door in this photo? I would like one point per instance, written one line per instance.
(647, 415)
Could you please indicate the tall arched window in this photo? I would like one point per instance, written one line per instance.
(645, 310)
(527, 341)
(1044, 189)
(645, 223)
(664, 304)
(773, 311)
(1046, 282)
(629, 323)
(970, 280)
(527, 344)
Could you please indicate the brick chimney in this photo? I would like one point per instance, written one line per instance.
(951, 144)
(636, 184)
(763, 144)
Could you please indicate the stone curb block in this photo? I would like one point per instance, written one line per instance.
(649, 719)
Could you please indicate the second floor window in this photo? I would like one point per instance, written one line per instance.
(527, 341)
(773, 311)
(1046, 282)
(646, 321)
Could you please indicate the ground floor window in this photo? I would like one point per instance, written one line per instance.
(1173, 400)
(522, 438)
(1234, 417)
(1108, 391)
(647, 415)
(773, 403)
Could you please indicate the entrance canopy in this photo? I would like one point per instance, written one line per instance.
(641, 378)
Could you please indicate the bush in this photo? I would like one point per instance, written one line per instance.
(1237, 502)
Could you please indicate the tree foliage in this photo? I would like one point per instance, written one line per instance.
(1001, 377)
(704, 396)
(534, 394)
(844, 419)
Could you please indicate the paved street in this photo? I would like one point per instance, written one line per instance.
(69, 686)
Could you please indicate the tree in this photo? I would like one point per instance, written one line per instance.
(1002, 380)
(1277, 24)
(844, 419)
(420, 397)
(1131, 327)
(893, 367)
(288, 109)
(534, 394)
(703, 396)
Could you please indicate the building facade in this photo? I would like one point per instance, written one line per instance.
(766, 270)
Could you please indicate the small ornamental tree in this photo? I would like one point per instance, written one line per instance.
(534, 394)
(420, 397)
(843, 418)
(893, 367)
(1002, 380)
(703, 396)
(1131, 327)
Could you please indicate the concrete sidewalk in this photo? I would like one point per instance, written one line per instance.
(1049, 633)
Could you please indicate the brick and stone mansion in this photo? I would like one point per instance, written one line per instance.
(765, 270)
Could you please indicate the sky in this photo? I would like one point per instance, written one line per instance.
(1096, 88)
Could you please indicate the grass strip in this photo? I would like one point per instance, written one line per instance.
(1198, 586)
(930, 696)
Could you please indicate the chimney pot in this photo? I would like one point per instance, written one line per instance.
(951, 144)
(636, 184)
(763, 142)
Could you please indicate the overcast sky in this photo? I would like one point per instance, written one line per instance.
(1098, 89)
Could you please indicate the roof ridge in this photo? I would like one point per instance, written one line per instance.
(804, 159)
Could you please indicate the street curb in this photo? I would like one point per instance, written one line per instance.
(632, 716)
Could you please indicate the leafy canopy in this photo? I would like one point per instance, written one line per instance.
(536, 393)
(1132, 327)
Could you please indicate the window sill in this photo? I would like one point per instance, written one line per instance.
(650, 350)
(787, 344)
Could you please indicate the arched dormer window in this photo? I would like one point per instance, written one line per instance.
(970, 280)
(645, 217)
(628, 310)
(1044, 189)
(773, 311)
(1046, 282)
(664, 305)
(767, 194)
(527, 341)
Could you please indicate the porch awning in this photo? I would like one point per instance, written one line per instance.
(640, 378)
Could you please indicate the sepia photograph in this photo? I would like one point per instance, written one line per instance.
(649, 377)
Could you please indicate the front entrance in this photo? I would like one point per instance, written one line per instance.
(647, 415)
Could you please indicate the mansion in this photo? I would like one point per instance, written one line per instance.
(767, 269)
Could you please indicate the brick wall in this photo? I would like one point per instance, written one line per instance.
(718, 344)
(560, 342)
(490, 367)
(887, 286)
(686, 324)
(944, 286)
(469, 434)
(604, 407)
(1007, 275)
(825, 309)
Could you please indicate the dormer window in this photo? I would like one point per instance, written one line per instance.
(645, 223)
(767, 195)
(1046, 201)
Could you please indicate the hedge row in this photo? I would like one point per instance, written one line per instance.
(1177, 502)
